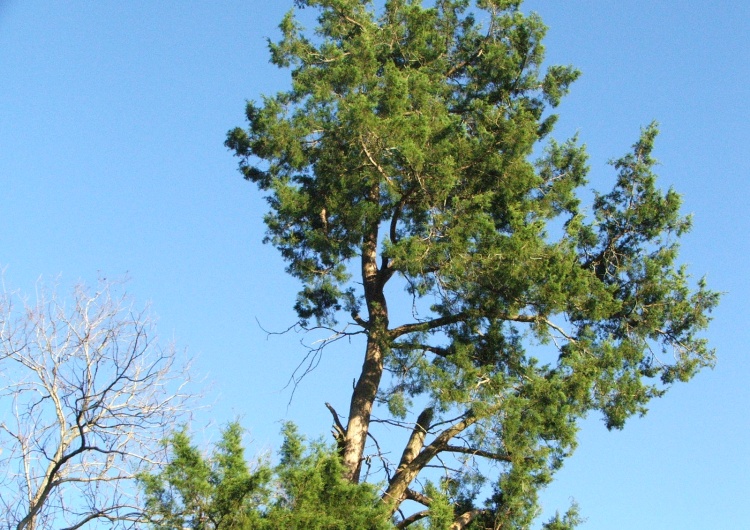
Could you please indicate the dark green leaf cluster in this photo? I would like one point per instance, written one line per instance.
(305, 491)
(424, 102)
(199, 493)
(315, 495)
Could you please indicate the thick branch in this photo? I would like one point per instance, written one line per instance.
(437, 350)
(435, 323)
(427, 325)
(413, 518)
(421, 498)
(557, 328)
(416, 440)
(360, 321)
(49, 485)
(477, 452)
(465, 63)
(397, 214)
(407, 473)
(465, 519)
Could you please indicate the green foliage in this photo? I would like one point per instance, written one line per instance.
(201, 493)
(404, 149)
(304, 491)
(441, 509)
(315, 495)
(569, 521)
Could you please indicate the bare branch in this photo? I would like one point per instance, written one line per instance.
(92, 395)
(380, 455)
(340, 433)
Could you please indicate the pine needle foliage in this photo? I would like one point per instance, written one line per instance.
(404, 153)
(305, 491)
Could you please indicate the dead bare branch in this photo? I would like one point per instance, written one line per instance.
(88, 396)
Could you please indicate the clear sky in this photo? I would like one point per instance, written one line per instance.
(112, 122)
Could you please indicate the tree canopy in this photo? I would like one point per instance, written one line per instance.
(407, 152)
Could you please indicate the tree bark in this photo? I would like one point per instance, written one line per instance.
(465, 519)
(366, 388)
(416, 440)
(407, 472)
(360, 409)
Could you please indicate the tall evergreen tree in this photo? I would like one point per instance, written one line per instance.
(404, 150)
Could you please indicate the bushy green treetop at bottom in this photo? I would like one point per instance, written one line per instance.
(306, 490)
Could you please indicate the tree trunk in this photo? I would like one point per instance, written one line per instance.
(361, 408)
(366, 388)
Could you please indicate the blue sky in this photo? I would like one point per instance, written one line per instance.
(112, 121)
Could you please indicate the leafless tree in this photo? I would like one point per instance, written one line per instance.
(86, 396)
